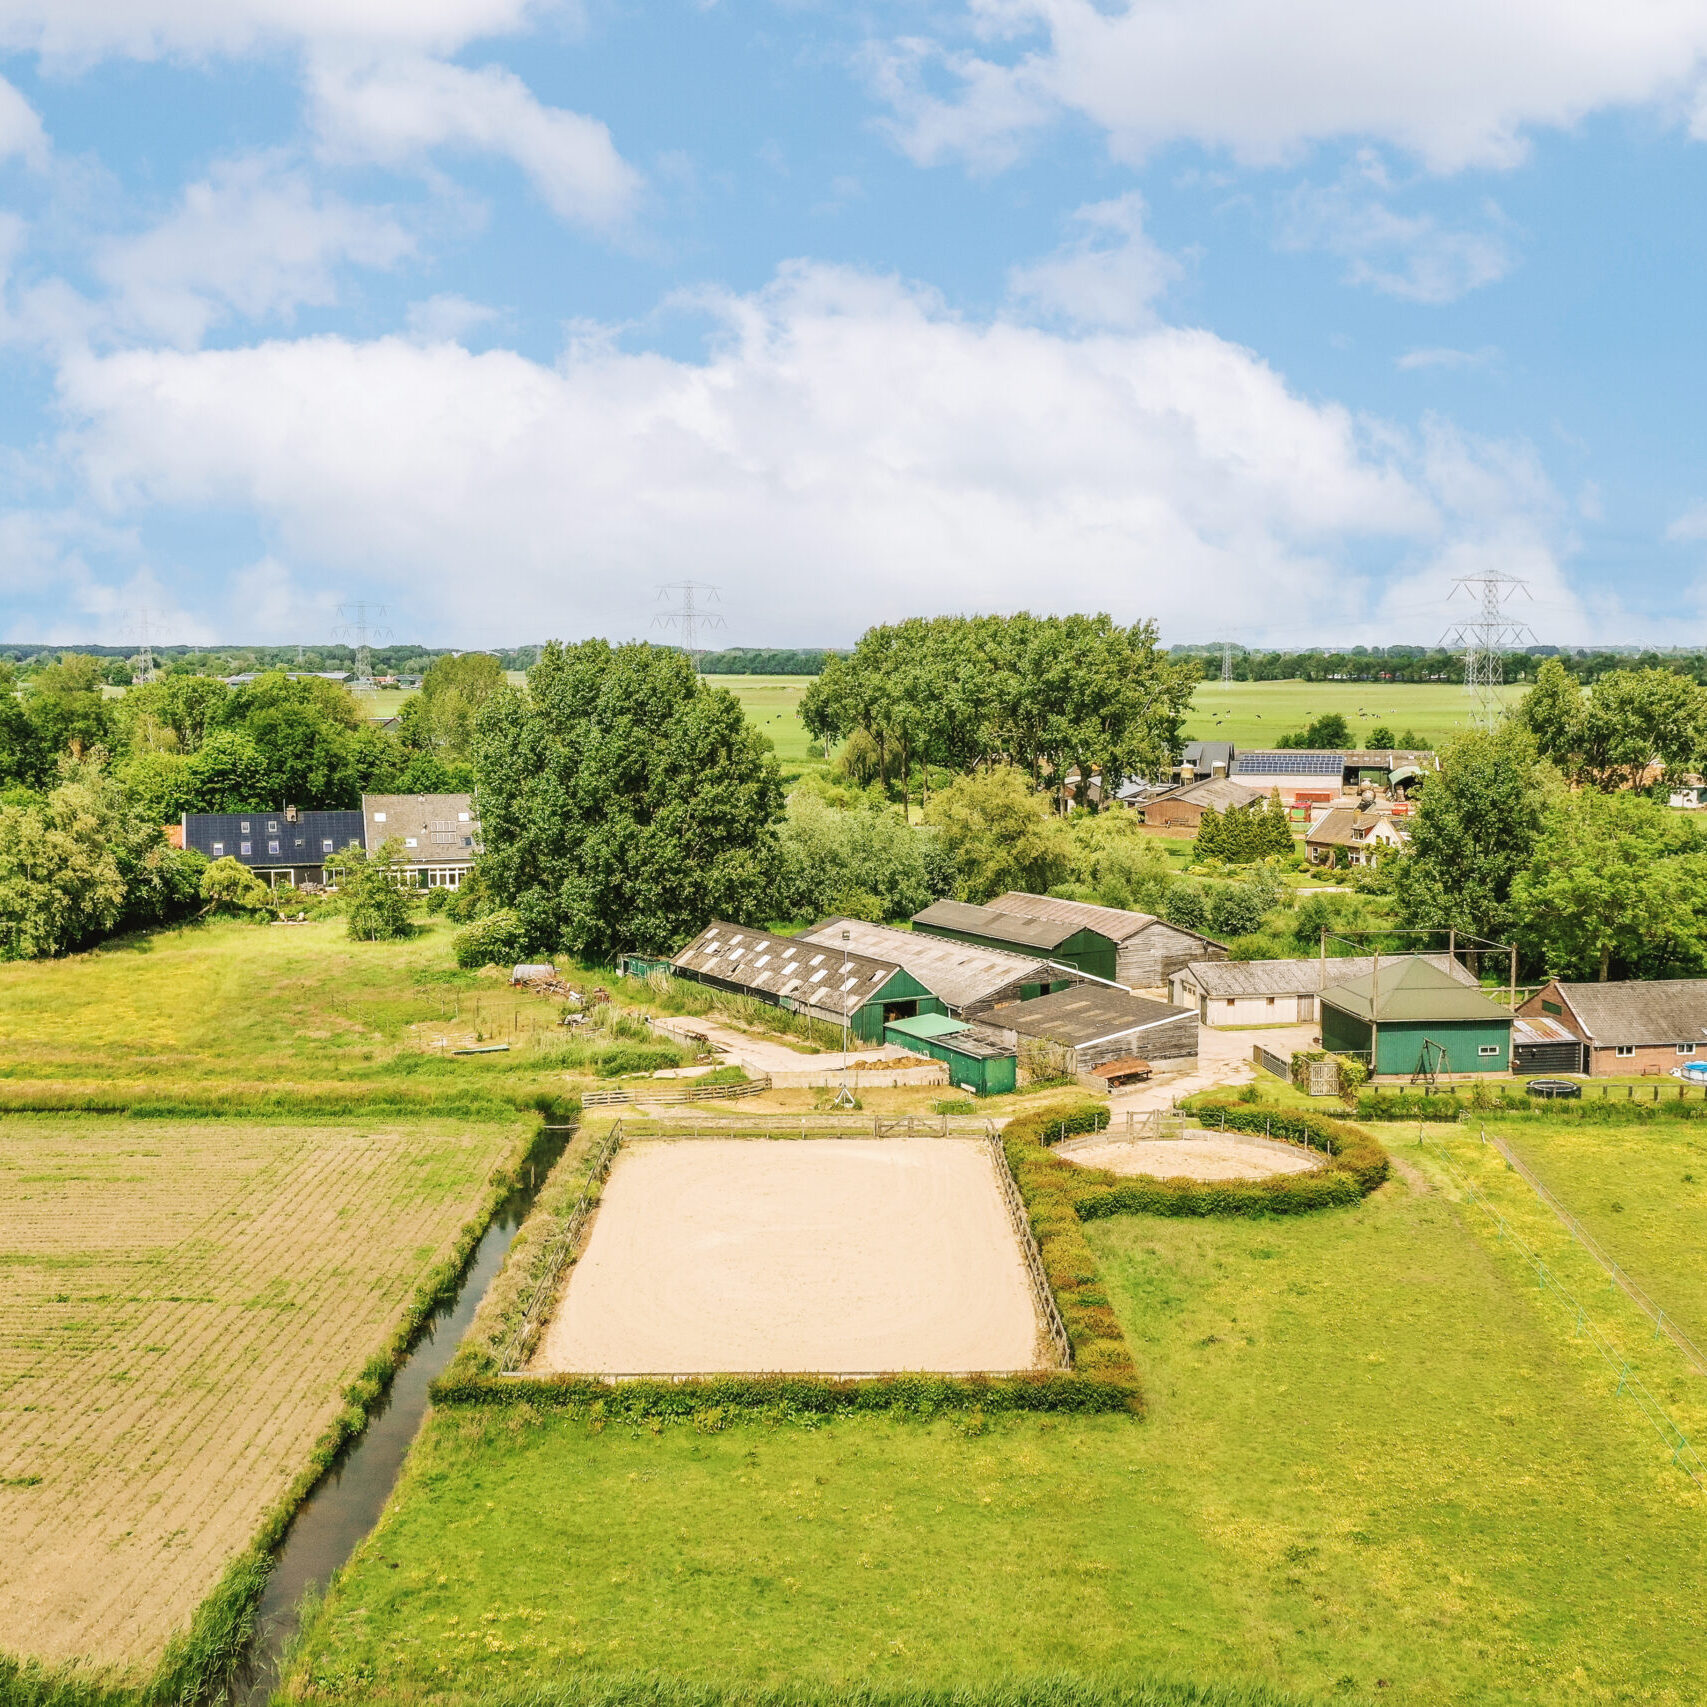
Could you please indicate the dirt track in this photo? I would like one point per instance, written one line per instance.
(850, 1256)
(1205, 1156)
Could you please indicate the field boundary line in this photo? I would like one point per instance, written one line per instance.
(559, 1252)
(1677, 1443)
(1043, 1298)
(1592, 1245)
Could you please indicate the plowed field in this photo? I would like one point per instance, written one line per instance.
(180, 1309)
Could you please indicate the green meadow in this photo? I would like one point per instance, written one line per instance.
(1255, 714)
(1376, 1466)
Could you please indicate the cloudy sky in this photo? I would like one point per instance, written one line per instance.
(1266, 318)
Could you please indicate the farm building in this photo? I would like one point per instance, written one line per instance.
(1362, 835)
(1203, 759)
(978, 1061)
(1409, 1017)
(1318, 777)
(1078, 1030)
(824, 982)
(439, 832)
(1646, 1027)
(960, 975)
(283, 847)
(1186, 805)
(1276, 992)
(1062, 941)
(1543, 1044)
(1147, 949)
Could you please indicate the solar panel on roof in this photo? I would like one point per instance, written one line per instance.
(1288, 764)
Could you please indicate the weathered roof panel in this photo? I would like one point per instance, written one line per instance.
(806, 973)
(1650, 1011)
(958, 973)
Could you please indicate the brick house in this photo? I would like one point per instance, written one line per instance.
(1647, 1026)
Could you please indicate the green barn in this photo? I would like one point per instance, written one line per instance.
(1065, 943)
(976, 1061)
(1409, 1017)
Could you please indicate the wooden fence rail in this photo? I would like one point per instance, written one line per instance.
(703, 1093)
(1040, 1289)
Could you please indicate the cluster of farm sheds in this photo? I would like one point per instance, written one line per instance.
(1034, 986)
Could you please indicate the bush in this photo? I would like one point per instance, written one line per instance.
(231, 887)
(498, 939)
(1183, 905)
(1236, 909)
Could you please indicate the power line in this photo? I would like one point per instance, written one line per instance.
(363, 632)
(137, 627)
(1486, 637)
(688, 619)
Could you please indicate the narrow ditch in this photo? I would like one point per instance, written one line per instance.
(345, 1503)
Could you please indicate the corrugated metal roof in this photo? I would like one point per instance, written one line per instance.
(928, 1025)
(1285, 762)
(1086, 1014)
(1390, 758)
(805, 973)
(1217, 791)
(1219, 979)
(1002, 927)
(958, 973)
(1651, 1011)
(1413, 990)
(1538, 1028)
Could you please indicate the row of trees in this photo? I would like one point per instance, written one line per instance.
(1244, 834)
(1429, 664)
(1046, 695)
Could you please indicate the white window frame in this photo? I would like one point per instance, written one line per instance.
(1686, 1049)
(244, 847)
(1487, 1049)
(1624, 1051)
(219, 850)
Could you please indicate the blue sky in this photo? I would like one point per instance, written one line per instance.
(1258, 319)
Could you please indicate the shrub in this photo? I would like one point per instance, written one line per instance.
(231, 887)
(498, 939)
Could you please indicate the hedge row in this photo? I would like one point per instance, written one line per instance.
(708, 1400)
(1587, 1110)
(1048, 1187)
(337, 1103)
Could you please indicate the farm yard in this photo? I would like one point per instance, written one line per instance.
(1375, 1465)
(182, 1308)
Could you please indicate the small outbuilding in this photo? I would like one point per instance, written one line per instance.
(1409, 1018)
(978, 1061)
(1230, 993)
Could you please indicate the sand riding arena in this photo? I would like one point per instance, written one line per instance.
(836, 1256)
(1191, 1155)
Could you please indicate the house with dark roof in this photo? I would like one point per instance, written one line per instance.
(1647, 1026)
(1408, 1017)
(1066, 942)
(1230, 993)
(281, 847)
(961, 974)
(1075, 1031)
(829, 982)
(1185, 806)
(1148, 950)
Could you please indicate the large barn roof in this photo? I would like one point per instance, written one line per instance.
(1412, 989)
(1220, 979)
(1087, 1014)
(1042, 934)
(804, 972)
(1652, 1011)
(958, 973)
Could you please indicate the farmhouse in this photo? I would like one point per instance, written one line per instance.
(1185, 806)
(1076, 1031)
(826, 983)
(1063, 941)
(1647, 1027)
(1409, 1017)
(1147, 949)
(1277, 992)
(283, 847)
(960, 975)
(1362, 835)
(439, 832)
(978, 1061)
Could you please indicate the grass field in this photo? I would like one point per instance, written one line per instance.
(1376, 1467)
(181, 1310)
(1254, 714)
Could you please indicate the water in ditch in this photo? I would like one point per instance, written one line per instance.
(346, 1502)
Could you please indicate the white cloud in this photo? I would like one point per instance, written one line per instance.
(252, 239)
(1107, 276)
(1444, 356)
(151, 29)
(397, 110)
(1411, 256)
(1456, 83)
(849, 450)
(1691, 525)
(21, 132)
(447, 318)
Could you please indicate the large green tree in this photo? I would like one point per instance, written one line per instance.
(440, 719)
(623, 802)
(1000, 834)
(864, 860)
(1475, 830)
(1610, 736)
(1616, 884)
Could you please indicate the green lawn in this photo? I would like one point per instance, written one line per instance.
(1376, 1467)
(1255, 714)
(772, 705)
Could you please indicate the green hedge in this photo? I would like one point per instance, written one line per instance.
(1587, 1110)
(336, 1104)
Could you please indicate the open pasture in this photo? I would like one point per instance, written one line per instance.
(1375, 1468)
(772, 706)
(833, 1255)
(181, 1310)
(1256, 714)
